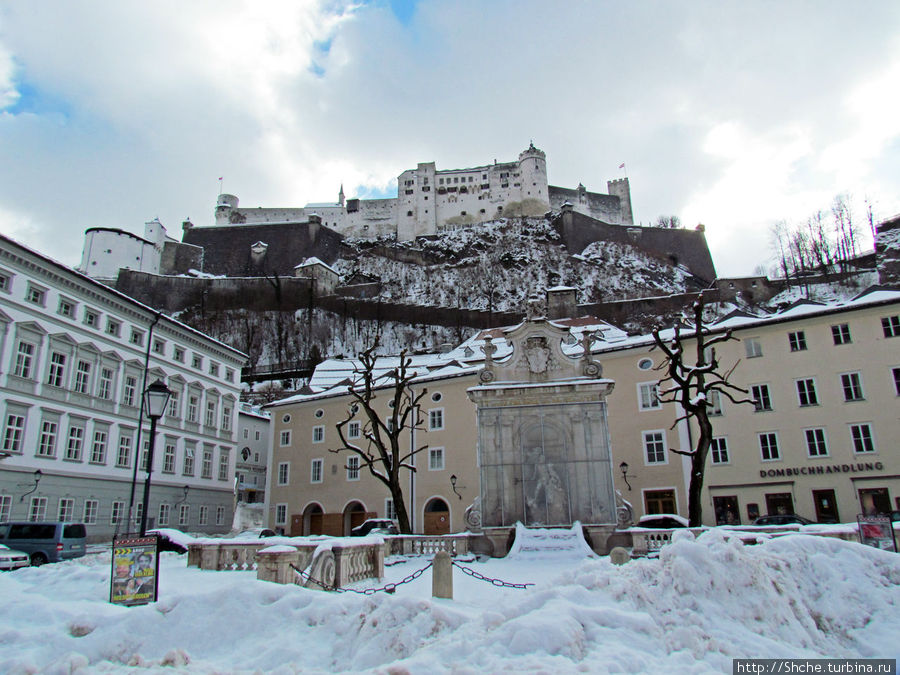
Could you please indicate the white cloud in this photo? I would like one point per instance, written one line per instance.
(724, 114)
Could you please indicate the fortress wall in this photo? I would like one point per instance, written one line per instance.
(679, 247)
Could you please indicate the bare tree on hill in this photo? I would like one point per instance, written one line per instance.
(380, 449)
(693, 386)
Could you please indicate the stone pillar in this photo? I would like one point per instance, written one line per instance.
(442, 576)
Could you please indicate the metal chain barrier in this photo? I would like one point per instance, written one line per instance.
(496, 582)
(387, 588)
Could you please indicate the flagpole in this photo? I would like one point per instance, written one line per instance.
(220, 185)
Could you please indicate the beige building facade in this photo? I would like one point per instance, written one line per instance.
(821, 441)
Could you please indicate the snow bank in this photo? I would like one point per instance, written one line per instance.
(704, 602)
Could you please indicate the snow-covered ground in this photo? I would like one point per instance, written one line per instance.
(704, 602)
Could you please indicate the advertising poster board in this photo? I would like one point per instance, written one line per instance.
(877, 531)
(135, 570)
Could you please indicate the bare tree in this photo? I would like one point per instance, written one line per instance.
(671, 222)
(380, 449)
(693, 386)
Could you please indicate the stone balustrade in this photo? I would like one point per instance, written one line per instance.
(416, 544)
(648, 541)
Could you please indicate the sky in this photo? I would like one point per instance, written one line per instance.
(731, 114)
(704, 602)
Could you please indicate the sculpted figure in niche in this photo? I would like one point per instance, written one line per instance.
(546, 500)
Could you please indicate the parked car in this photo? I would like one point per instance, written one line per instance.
(13, 560)
(45, 541)
(256, 533)
(783, 519)
(662, 521)
(375, 526)
(171, 540)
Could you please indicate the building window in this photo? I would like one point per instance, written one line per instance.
(435, 459)
(246, 434)
(24, 360)
(203, 516)
(91, 507)
(714, 409)
(210, 413)
(224, 462)
(648, 396)
(91, 318)
(206, 465)
(319, 413)
(318, 434)
(37, 509)
(145, 455)
(193, 402)
(178, 354)
(98, 447)
(389, 511)
(285, 438)
(117, 513)
(5, 508)
(435, 419)
(862, 438)
(284, 473)
(852, 386)
(196, 361)
(138, 512)
(163, 515)
(47, 442)
(104, 386)
(353, 467)
(35, 295)
(660, 501)
(896, 373)
(220, 515)
(213, 369)
(891, 326)
(83, 377)
(66, 510)
(806, 392)
(159, 346)
(354, 429)
(797, 341)
(229, 374)
(13, 431)
(281, 514)
(257, 434)
(66, 308)
(815, 443)
(184, 515)
(841, 334)
(74, 443)
(57, 375)
(5, 281)
(718, 447)
(752, 347)
(129, 390)
(174, 405)
(123, 456)
(187, 466)
(169, 458)
(315, 472)
(226, 418)
(137, 337)
(768, 446)
(655, 447)
(113, 327)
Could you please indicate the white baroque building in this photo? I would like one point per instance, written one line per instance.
(72, 370)
(430, 201)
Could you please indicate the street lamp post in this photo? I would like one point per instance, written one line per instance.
(156, 398)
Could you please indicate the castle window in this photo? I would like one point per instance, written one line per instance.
(409, 213)
(481, 211)
(462, 213)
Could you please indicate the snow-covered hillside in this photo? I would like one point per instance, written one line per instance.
(496, 266)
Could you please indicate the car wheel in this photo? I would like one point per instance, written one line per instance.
(38, 559)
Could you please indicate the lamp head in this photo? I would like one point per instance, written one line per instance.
(156, 398)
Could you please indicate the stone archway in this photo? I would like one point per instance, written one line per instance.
(437, 516)
(354, 514)
(313, 518)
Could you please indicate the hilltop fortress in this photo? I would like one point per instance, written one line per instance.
(430, 201)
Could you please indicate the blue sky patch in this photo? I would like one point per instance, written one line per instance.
(37, 102)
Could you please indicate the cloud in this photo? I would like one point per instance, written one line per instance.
(734, 115)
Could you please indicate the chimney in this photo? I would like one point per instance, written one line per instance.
(561, 302)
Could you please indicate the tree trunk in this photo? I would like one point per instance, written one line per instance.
(698, 465)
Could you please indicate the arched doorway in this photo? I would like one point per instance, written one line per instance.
(354, 514)
(312, 520)
(437, 517)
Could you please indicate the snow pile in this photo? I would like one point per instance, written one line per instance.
(704, 602)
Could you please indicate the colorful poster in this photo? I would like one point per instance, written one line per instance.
(135, 567)
(877, 531)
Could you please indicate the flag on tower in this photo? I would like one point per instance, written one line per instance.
(621, 166)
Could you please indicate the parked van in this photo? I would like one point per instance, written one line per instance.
(45, 541)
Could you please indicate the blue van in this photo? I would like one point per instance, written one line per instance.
(45, 541)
